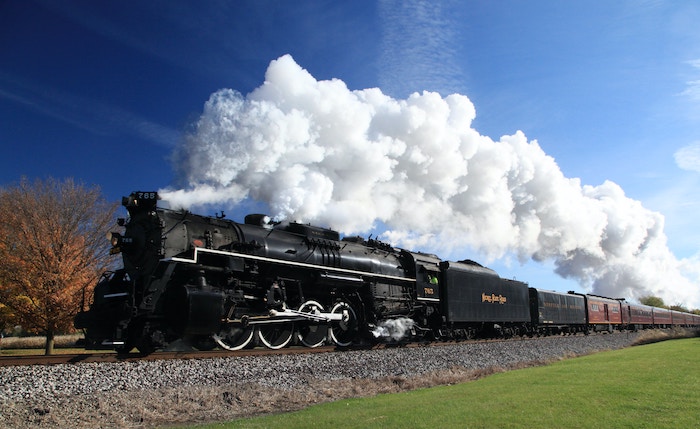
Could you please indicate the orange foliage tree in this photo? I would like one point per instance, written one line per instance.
(52, 251)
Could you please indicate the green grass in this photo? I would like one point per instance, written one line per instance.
(651, 386)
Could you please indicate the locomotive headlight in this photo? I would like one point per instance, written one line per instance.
(119, 242)
(114, 238)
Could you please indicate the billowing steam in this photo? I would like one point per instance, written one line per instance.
(315, 151)
(393, 329)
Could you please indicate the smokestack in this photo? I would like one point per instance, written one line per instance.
(315, 151)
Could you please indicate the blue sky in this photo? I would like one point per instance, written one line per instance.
(105, 92)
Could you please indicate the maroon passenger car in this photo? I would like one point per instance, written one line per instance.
(603, 314)
(638, 316)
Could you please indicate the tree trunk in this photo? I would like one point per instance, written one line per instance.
(49, 343)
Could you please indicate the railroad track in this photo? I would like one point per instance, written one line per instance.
(102, 357)
(164, 355)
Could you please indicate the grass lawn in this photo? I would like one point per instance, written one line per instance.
(651, 386)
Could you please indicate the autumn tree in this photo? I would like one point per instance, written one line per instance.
(52, 249)
(653, 301)
(6, 317)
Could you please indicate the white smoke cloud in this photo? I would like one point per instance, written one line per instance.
(393, 329)
(315, 151)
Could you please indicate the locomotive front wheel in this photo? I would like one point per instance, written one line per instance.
(312, 334)
(233, 338)
(343, 332)
(276, 335)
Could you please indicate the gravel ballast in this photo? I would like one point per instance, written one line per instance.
(167, 392)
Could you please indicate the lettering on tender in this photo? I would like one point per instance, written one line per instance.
(493, 298)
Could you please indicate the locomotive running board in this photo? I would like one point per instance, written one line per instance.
(197, 250)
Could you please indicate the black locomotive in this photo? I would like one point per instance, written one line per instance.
(210, 281)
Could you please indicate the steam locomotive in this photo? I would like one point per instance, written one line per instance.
(210, 281)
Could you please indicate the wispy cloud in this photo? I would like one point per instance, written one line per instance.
(692, 89)
(84, 113)
(418, 48)
(184, 35)
(688, 157)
